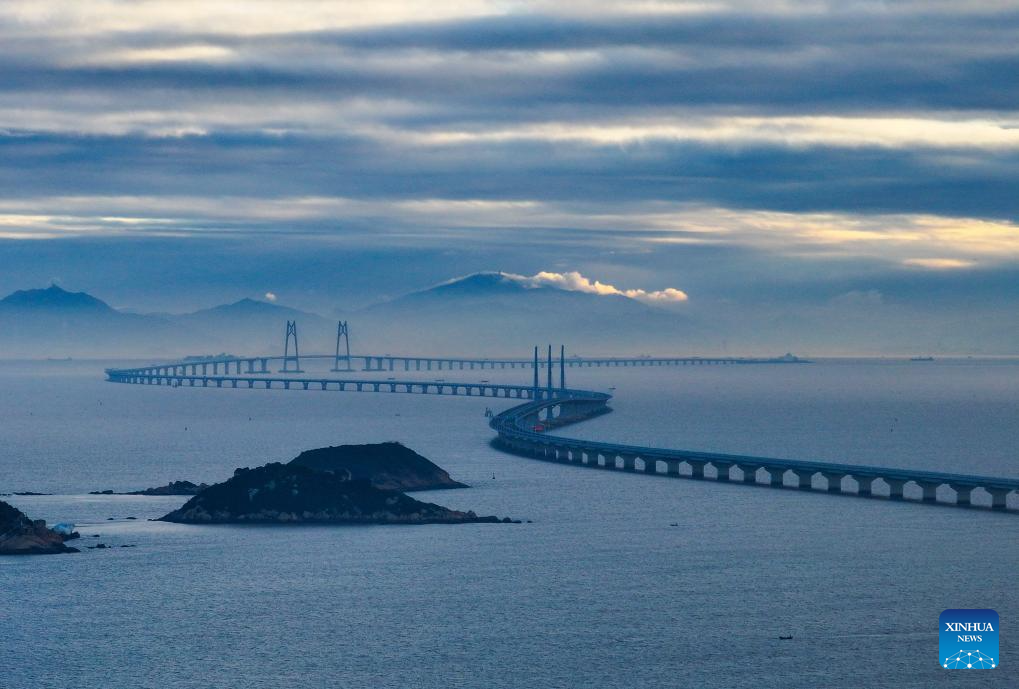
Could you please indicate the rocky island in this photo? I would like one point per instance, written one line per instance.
(20, 535)
(390, 466)
(171, 488)
(292, 493)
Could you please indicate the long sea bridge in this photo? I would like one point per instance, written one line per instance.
(388, 362)
(524, 428)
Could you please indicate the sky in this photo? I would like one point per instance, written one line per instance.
(791, 165)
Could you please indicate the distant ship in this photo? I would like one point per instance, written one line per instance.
(922, 358)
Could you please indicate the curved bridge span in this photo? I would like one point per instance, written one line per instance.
(522, 430)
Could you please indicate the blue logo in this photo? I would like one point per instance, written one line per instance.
(968, 639)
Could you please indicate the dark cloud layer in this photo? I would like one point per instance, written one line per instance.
(779, 158)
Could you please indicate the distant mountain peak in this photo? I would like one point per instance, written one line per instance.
(54, 297)
(248, 305)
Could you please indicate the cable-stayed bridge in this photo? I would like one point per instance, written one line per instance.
(524, 428)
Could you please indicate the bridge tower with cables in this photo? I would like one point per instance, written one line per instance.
(342, 333)
(288, 358)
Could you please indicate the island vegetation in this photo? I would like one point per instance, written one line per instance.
(292, 493)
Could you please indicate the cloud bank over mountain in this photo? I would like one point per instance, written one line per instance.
(573, 281)
(764, 156)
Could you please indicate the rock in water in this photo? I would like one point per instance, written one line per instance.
(391, 466)
(291, 493)
(19, 535)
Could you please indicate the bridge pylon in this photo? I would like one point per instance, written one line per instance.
(342, 332)
(550, 370)
(562, 367)
(289, 358)
(536, 385)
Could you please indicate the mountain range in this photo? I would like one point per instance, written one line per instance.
(483, 314)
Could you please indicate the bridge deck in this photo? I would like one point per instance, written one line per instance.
(515, 428)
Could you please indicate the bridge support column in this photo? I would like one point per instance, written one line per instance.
(930, 491)
(999, 498)
(591, 458)
(834, 481)
(776, 477)
(962, 494)
(864, 485)
(895, 486)
(723, 470)
(673, 467)
(696, 468)
(749, 472)
(629, 462)
(804, 479)
(650, 466)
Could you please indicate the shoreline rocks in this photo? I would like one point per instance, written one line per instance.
(20, 535)
(389, 466)
(295, 494)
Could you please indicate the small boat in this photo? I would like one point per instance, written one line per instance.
(922, 358)
(785, 638)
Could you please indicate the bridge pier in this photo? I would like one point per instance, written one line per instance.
(999, 498)
(930, 491)
(962, 494)
(722, 469)
(629, 462)
(804, 478)
(834, 481)
(749, 472)
(895, 488)
(776, 477)
(696, 468)
(672, 467)
(864, 485)
(650, 466)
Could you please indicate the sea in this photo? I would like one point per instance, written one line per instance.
(611, 580)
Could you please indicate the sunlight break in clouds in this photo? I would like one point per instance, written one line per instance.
(270, 296)
(573, 281)
(938, 263)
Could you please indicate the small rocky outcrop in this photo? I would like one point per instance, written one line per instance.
(293, 493)
(390, 466)
(171, 488)
(20, 535)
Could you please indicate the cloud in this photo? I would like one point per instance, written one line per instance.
(575, 282)
(270, 296)
(738, 142)
(939, 263)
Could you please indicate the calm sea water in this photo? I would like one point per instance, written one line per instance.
(599, 591)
